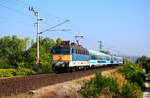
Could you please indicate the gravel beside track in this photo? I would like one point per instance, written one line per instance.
(17, 85)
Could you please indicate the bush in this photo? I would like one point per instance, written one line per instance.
(25, 71)
(97, 84)
(15, 72)
(130, 90)
(133, 73)
(101, 86)
(7, 72)
(114, 87)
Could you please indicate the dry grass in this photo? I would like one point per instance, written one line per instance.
(120, 80)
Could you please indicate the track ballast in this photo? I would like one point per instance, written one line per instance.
(17, 85)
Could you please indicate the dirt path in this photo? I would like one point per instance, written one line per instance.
(146, 93)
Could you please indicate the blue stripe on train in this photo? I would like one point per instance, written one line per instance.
(101, 61)
(92, 62)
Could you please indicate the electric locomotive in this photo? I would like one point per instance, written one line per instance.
(69, 57)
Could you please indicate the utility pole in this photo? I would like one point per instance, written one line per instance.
(37, 59)
(49, 29)
(37, 37)
(100, 46)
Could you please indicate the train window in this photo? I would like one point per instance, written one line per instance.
(79, 51)
(93, 57)
(72, 50)
(101, 58)
(66, 50)
(108, 58)
(97, 57)
(87, 52)
(76, 51)
(61, 50)
(57, 50)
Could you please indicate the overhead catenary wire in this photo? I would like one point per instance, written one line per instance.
(21, 13)
(55, 26)
(43, 12)
(18, 21)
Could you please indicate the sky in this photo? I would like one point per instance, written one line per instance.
(123, 26)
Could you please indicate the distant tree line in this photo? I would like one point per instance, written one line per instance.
(20, 53)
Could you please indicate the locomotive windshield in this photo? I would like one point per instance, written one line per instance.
(61, 50)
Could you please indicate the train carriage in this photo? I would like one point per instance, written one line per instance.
(97, 59)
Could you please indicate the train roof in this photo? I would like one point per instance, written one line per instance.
(71, 46)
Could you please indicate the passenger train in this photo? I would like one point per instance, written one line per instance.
(71, 57)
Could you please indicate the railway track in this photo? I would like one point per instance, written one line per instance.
(17, 85)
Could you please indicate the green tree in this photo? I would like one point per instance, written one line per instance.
(142, 60)
(12, 49)
(58, 41)
(46, 45)
(20, 53)
(125, 61)
(147, 66)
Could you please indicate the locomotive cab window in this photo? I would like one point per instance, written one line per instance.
(56, 50)
(61, 50)
(65, 50)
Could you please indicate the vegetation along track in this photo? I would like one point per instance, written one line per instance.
(17, 85)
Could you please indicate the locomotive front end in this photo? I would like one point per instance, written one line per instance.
(61, 58)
